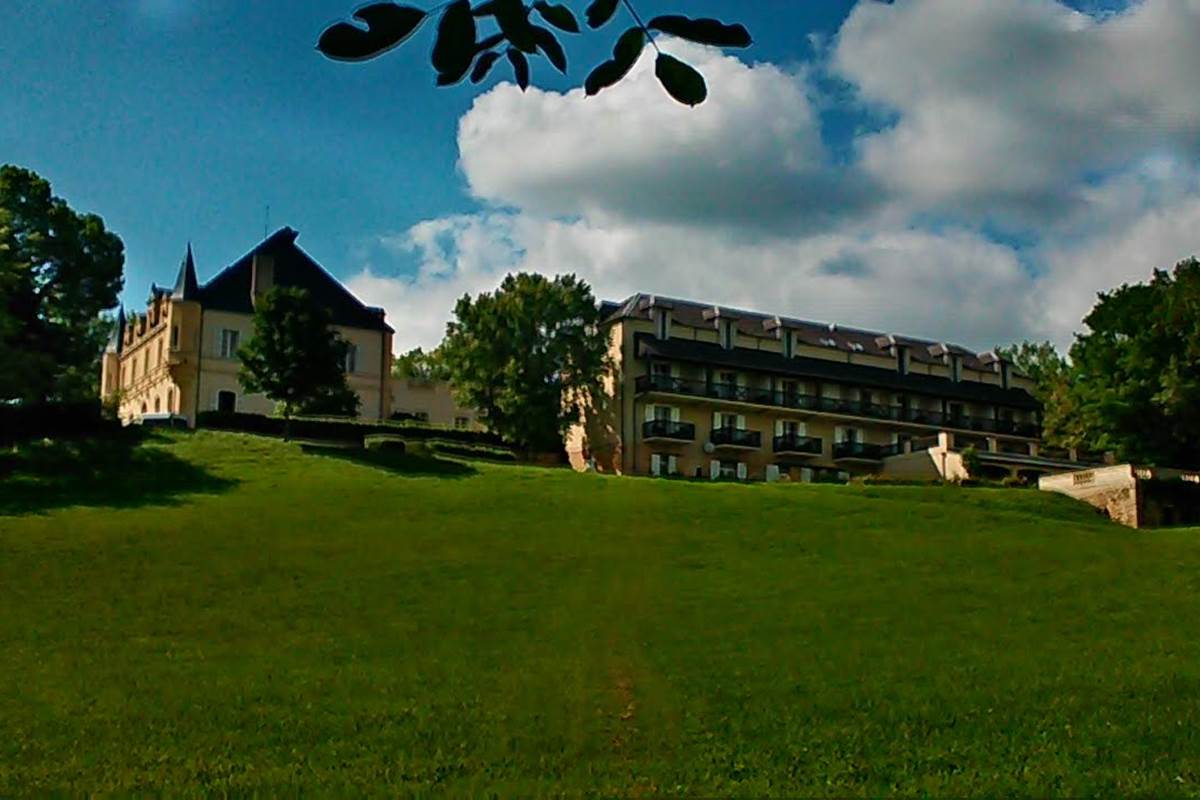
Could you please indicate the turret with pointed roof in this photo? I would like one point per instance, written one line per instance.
(117, 339)
(187, 287)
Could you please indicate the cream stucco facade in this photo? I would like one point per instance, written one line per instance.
(700, 391)
(179, 357)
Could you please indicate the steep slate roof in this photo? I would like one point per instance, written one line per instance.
(230, 289)
(710, 353)
(814, 334)
(186, 285)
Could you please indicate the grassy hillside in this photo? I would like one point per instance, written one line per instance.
(228, 612)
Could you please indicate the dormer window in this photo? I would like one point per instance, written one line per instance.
(856, 347)
(902, 363)
(955, 368)
(727, 334)
(1005, 374)
(829, 342)
(662, 323)
(789, 344)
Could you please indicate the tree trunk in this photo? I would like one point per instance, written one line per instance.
(287, 426)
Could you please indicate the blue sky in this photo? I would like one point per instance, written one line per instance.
(182, 120)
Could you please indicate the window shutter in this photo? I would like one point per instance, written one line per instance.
(741, 423)
(806, 475)
(802, 429)
(672, 465)
(779, 427)
(649, 413)
(839, 434)
(655, 464)
(772, 473)
(674, 415)
(716, 420)
(742, 471)
(714, 469)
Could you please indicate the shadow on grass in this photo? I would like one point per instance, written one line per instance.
(114, 470)
(408, 464)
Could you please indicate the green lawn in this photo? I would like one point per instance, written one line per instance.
(232, 613)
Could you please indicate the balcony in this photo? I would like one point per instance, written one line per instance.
(831, 405)
(736, 438)
(793, 445)
(664, 430)
(861, 451)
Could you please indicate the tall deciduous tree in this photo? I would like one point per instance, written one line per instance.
(295, 357)
(527, 355)
(1051, 374)
(419, 365)
(58, 271)
(1135, 374)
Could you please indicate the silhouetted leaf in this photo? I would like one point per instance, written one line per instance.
(520, 65)
(602, 77)
(551, 48)
(388, 25)
(680, 80)
(629, 49)
(600, 12)
(454, 49)
(559, 16)
(513, 19)
(625, 55)
(703, 31)
(483, 66)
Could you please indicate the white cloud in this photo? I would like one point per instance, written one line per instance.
(1004, 107)
(1078, 134)
(750, 157)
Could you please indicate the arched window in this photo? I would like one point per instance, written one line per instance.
(157, 405)
(170, 400)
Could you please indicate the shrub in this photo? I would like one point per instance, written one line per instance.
(340, 430)
(23, 422)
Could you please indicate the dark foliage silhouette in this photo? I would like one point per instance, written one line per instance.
(460, 50)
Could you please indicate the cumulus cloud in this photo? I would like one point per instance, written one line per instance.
(1004, 108)
(748, 158)
(1056, 127)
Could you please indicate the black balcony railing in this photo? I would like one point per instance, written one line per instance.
(862, 450)
(736, 437)
(833, 405)
(792, 443)
(666, 429)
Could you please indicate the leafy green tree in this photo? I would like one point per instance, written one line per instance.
(515, 34)
(419, 365)
(527, 356)
(1135, 374)
(58, 271)
(295, 357)
(1051, 374)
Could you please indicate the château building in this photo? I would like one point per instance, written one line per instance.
(180, 356)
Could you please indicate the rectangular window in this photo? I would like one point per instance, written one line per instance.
(727, 334)
(729, 470)
(902, 360)
(791, 428)
(421, 416)
(174, 337)
(662, 413)
(955, 368)
(351, 359)
(663, 321)
(229, 343)
(789, 345)
(462, 423)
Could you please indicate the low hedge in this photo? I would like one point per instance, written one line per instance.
(27, 422)
(340, 430)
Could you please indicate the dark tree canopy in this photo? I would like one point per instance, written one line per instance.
(58, 271)
(295, 357)
(1132, 384)
(514, 31)
(526, 356)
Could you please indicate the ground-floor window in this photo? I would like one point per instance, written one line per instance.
(663, 464)
(462, 422)
(226, 402)
(729, 470)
